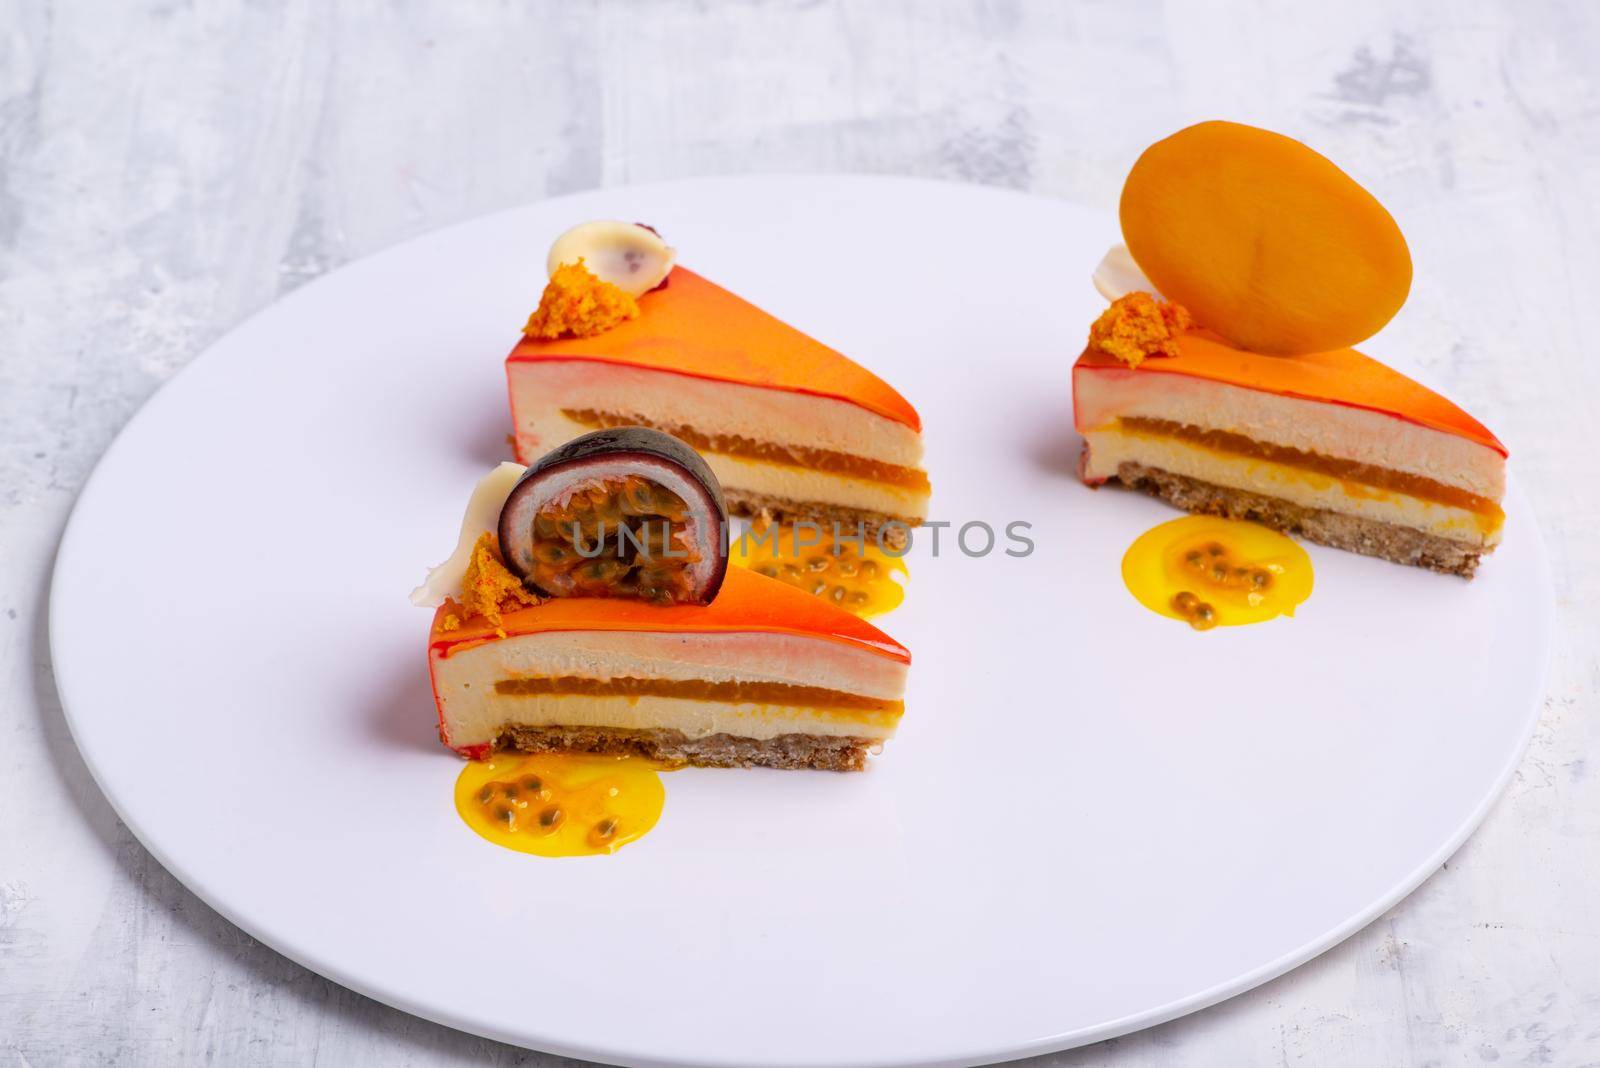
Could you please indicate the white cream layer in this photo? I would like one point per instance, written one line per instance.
(473, 713)
(696, 719)
(780, 416)
(542, 429)
(1106, 450)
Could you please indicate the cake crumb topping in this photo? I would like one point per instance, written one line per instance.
(577, 303)
(1138, 326)
(488, 590)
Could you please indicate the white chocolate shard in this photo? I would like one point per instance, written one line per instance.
(1117, 275)
(483, 514)
(629, 256)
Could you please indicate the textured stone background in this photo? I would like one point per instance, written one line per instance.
(167, 168)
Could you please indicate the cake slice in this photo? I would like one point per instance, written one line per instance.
(588, 607)
(1333, 446)
(790, 426)
(1221, 377)
(766, 675)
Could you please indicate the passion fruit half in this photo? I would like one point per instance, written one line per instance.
(622, 512)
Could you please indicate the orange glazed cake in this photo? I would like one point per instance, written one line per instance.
(589, 607)
(1236, 233)
(765, 675)
(790, 426)
(1334, 446)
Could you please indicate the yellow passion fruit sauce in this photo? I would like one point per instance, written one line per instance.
(1212, 572)
(561, 804)
(854, 574)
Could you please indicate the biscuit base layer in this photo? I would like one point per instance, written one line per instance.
(896, 529)
(1386, 541)
(820, 752)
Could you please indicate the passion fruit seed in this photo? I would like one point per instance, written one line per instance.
(1204, 618)
(1214, 563)
(1185, 602)
(819, 563)
(550, 817)
(638, 497)
(505, 814)
(553, 552)
(603, 571)
(605, 830)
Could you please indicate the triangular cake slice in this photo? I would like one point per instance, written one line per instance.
(766, 675)
(1221, 377)
(789, 425)
(1334, 446)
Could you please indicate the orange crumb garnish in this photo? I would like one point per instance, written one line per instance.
(488, 589)
(576, 303)
(1137, 326)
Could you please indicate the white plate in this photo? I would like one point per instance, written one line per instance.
(1092, 819)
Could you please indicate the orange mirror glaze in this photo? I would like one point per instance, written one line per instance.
(746, 602)
(692, 326)
(1263, 240)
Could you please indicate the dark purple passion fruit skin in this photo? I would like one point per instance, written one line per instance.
(640, 449)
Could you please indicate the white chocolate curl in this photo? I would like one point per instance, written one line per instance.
(483, 514)
(629, 256)
(1117, 275)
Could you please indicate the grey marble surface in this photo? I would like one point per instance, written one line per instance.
(166, 168)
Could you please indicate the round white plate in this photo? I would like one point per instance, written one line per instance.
(1092, 820)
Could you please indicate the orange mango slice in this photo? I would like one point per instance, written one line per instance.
(1263, 240)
